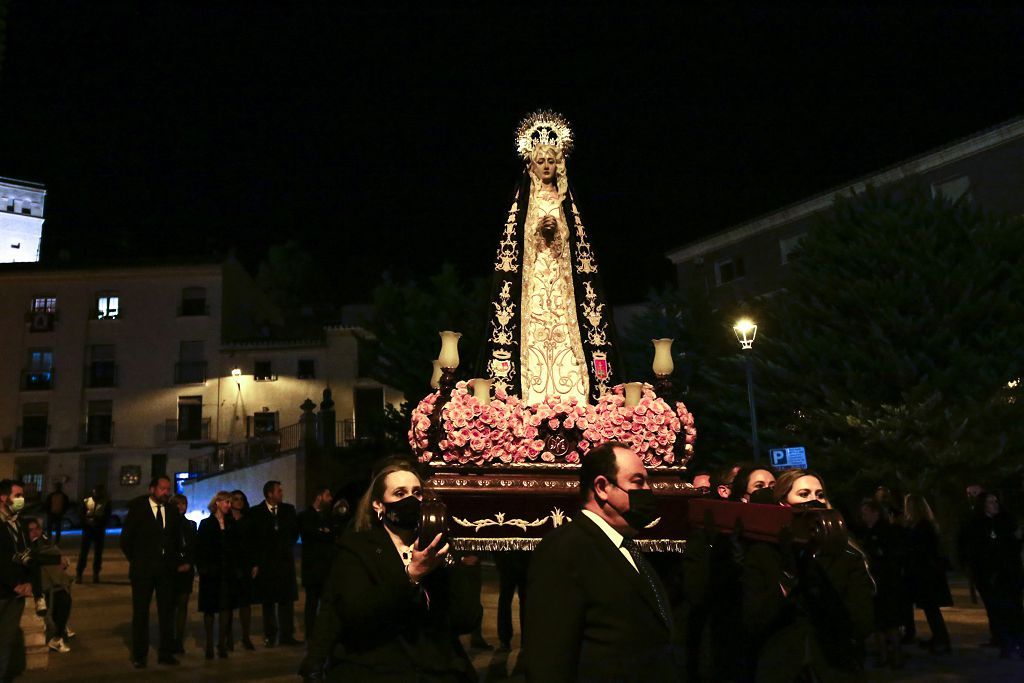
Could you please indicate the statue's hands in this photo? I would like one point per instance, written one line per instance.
(547, 227)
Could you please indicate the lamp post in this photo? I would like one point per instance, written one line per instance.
(745, 330)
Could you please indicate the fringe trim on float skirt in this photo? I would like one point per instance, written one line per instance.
(656, 545)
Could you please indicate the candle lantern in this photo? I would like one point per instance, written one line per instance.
(634, 390)
(481, 390)
(435, 376)
(449, 356)
(663, 366)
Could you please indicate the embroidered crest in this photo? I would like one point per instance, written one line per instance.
(601, 366)
(501, 364)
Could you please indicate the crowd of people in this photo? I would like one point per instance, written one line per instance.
(383, 602)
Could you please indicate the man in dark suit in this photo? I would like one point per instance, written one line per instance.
(317, 526)
(597, 610)
(151, 540)
(274, 531)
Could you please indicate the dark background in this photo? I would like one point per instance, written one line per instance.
(383, 139)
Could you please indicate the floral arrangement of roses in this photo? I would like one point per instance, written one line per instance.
(506, 430)
(650, 428)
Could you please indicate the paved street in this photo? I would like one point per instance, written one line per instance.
(102, 613)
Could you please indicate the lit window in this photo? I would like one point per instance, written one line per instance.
(107, 306)
(728, 270)
(263, 371)
(788, 247)
(44, 304)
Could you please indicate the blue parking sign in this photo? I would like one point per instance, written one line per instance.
(789, 457)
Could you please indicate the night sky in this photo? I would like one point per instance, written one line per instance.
(383, 139)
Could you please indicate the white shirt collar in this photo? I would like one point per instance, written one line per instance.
(614, 536)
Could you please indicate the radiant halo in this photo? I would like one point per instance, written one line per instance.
(543, 127)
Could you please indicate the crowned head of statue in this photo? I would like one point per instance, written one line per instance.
(544, 140)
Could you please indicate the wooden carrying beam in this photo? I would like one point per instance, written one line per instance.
(820, 528)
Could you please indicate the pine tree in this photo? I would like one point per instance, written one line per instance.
(893, 355)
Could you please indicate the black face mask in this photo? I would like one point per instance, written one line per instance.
(643, 508)
(810, 505)
(404, 514)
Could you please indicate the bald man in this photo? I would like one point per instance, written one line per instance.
(597, 610)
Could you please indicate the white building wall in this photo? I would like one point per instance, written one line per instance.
(146, 335)
(21, 221)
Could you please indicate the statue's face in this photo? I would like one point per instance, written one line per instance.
(544, 165)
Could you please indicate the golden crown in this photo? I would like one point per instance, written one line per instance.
(543, 127)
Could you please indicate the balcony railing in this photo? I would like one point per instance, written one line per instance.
(253, 450)
(190, 372)
(32, 438)
(187, 430)
(101, 374)
(96, 432)
(344, 432)
(36, 380)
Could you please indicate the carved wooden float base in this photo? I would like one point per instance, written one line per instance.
(497, 510)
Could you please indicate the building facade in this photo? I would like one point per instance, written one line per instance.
(113, 375)
(750, 260)
(21, 220)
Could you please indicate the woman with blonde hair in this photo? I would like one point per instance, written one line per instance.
(217, 559)
(408, 608)
(926, 569)
(807, 609)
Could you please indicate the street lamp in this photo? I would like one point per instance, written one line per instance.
(745, 330)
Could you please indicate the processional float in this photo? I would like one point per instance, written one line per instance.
(504, 449)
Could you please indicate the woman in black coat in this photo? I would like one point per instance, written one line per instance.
(926, 569)
(883, 544)
(992, 545)
(217, 557)
(184, 580)
(399, 606)
(245, 591)
(808, 608)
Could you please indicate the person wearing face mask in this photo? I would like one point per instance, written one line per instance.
(15, 578)
(807, 609)
(597, 610)
(748, 480)
(398, 605)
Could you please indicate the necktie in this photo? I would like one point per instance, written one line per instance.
(647, 572)
(273, 513)
(160, 515)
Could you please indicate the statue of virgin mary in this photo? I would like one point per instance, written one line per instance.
(549, 333)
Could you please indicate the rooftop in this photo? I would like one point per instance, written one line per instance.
(928, 161)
